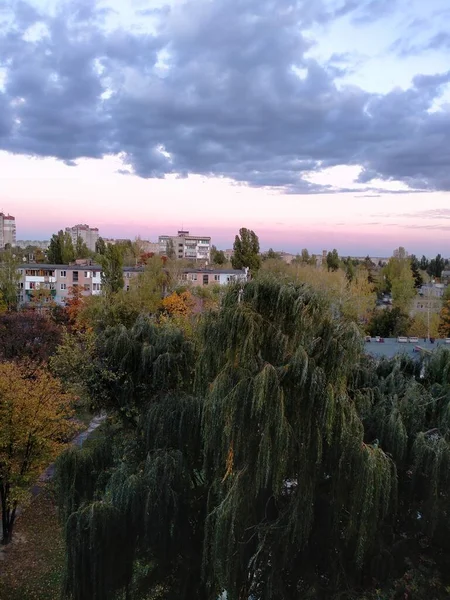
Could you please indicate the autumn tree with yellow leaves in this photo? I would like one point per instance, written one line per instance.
(35, 417)
(444, 323)
(179, 305)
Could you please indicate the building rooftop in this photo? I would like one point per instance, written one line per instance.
(391, 347)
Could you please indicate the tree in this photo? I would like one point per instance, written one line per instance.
(100, 246)
(389, 323)
(112, 273)
(305, 257)
(271, 255)
(61, 250)
(424, 262)
(423, 324)
(81, 250)
(350, 270)
(400, 253)
(34, 413)
(271, 459)
(444, 320)
(436, 266)
(362, 296)
(399, 280)
(333, 260)
(170, 249)
(270, 506)
(415, 268)
(246, 251)
(403, 290)
(27, 336)
(218, 256)
(180, 304)
(9, 279)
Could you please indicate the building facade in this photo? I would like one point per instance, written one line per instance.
(89, 235)
(7, 230)
(52, 283)
(200, 277)
(191, 247)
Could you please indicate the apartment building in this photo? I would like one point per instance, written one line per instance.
(200, 277)
(191, 247)
(53, 282)
(57, 279)
(89, 235)
(7, 230)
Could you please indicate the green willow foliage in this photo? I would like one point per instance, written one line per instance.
(273, 461)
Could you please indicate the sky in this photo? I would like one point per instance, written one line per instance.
(318, 124)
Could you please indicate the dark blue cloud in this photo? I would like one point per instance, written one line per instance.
(239, 97)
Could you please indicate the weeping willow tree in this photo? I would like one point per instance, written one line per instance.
(273, 461)
(296, 492)
(132, 501)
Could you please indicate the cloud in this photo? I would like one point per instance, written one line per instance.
(438, 41)
(432, 213)
(215, 92)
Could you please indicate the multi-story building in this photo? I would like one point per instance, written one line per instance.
(192, 247)
(7, 230)
(200, 277)
(89, 235)
(55, 281)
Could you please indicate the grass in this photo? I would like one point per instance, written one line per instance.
(32, 564)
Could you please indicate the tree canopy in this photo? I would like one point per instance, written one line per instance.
(61, 250)
(217, 256)
(34, 413)
(112, 274)
(246, 251)
(9, 278)
(267, 457)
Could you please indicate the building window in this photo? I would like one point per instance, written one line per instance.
(63, 286)
(194, 277)
(75, 276)
(87, 287)
(205, 279)
(63, 273)
(216, 277)
(128, 288)
(87, 274)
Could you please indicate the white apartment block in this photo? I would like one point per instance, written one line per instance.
(89, 235)
(191, 247)
(7, 230)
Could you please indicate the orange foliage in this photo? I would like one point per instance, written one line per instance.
(74, 304)
(180, 305)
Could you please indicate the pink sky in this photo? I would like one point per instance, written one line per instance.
(45, 196)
